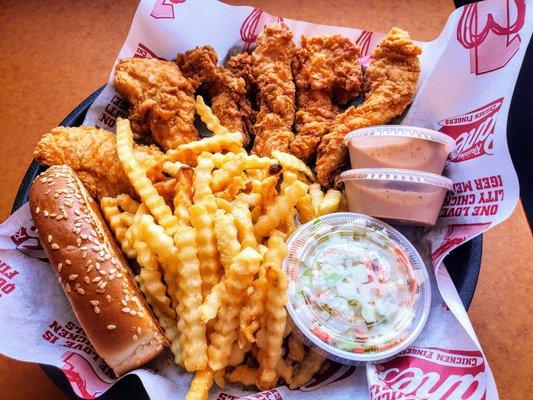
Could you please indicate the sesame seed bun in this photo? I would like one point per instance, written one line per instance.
(93, 272)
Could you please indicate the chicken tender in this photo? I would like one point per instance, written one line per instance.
(390, 84)
(92, 154)
(326, 68)
(161, 98)
(276, 90)
(227, 91)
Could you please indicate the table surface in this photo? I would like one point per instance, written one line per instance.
(55, 53)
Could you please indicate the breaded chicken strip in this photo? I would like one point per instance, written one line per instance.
(272, 71)
(325, 68)
(390, 84)
(227, 91)
(92, 154)
(161, 100)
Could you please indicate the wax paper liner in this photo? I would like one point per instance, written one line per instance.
(465, 89)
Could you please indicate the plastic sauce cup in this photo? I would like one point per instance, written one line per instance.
(399, 146)
(358, 290)
(397, 195)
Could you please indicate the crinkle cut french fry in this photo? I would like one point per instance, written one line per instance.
(226, 233)
(192, 329)
(183, 197)
(237, 184)
(270, 337)
(200, 385)
(252, 199)
(212, 302)
(250, 316)
(223, 176)
(256, 212)
(330, 202)
(224, 204)
(315, 191)
(127, 204)
(288, 224)
(220, 377)
(307, 369)
(209, 118)
(188, 152)
(238, 278)
(244, 224)
(306, 211)
(137, 176)
(112, 214)
(289, 178)
(238, 353)
(243, 374)
(292, 163)
(127, 218)
(169, 325)
(296, 348)
(278, 211)
(251, 162)
(210, 268)
(266, 188)
(202, 177)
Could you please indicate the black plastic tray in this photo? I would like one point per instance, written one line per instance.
(463, 264)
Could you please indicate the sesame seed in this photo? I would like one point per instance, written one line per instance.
(86, 279)
(97, 265)
(124, 302)
(119, 275)
(102, 272)
(93, 232)
(46, 213)
(59, 217)
(90, 268)
(80, 291)
(53, 215)
(97, 309)
(72, 277)
(55, 246)
(111, 327)
(134, 337)
(68, 262)
(108, 298)
(49, 238)
(71, 248)
(95, 248)
(59, 267)
(47, 192)
(97, 279)
(76, 286)
(139, 330)
(112, 270)
(100, 290)
(126, 310)
(94, 302)
(78, 242)
(101, 259)
(37, 210)
(103, 284)
(83, 248)
(133, 313)
(159, 347)
(83, 254)
(67, 287)
(111, 277)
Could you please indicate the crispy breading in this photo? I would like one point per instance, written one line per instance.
(161, 100)
(326, 68)
(272, 71)
(390, 84)
(92, 153)
(227, 91)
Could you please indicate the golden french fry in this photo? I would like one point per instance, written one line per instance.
(210, 268)
(266, 188)
(315, 191)
(200, 385)
(212, 302)
(250, 316)
(210, 120)
(270, 336)
(220, 377)
(127, 218)
(237, 184)
(243, 374)
(183, 197)
(288, 225)
(172, 168)
(192, 330)
(285, 370)
(330, 202)
(306, 211)
(226, 233)
(238, 278)
(224, 204)
(292, 163)
(296, 348)
(307, 369)
(252, 199)
(238, 353)
(278, 211)
(202, 177)
(112, 214)
(244, 224)
(127, 204)
(188, 152)
(256, 212)
(137, 176)
(223, 176)
(289, 177)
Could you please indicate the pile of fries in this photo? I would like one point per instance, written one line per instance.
(211, 260)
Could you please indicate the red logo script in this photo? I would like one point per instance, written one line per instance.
(491, 33)
(473, 132)
(457, 234)
(85, 382)
(164, 8)
(252, 25)
(27, 241)
(430, 373)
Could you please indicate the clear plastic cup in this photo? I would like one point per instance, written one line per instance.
(399, 146)
(358, 290)
(396, 195)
